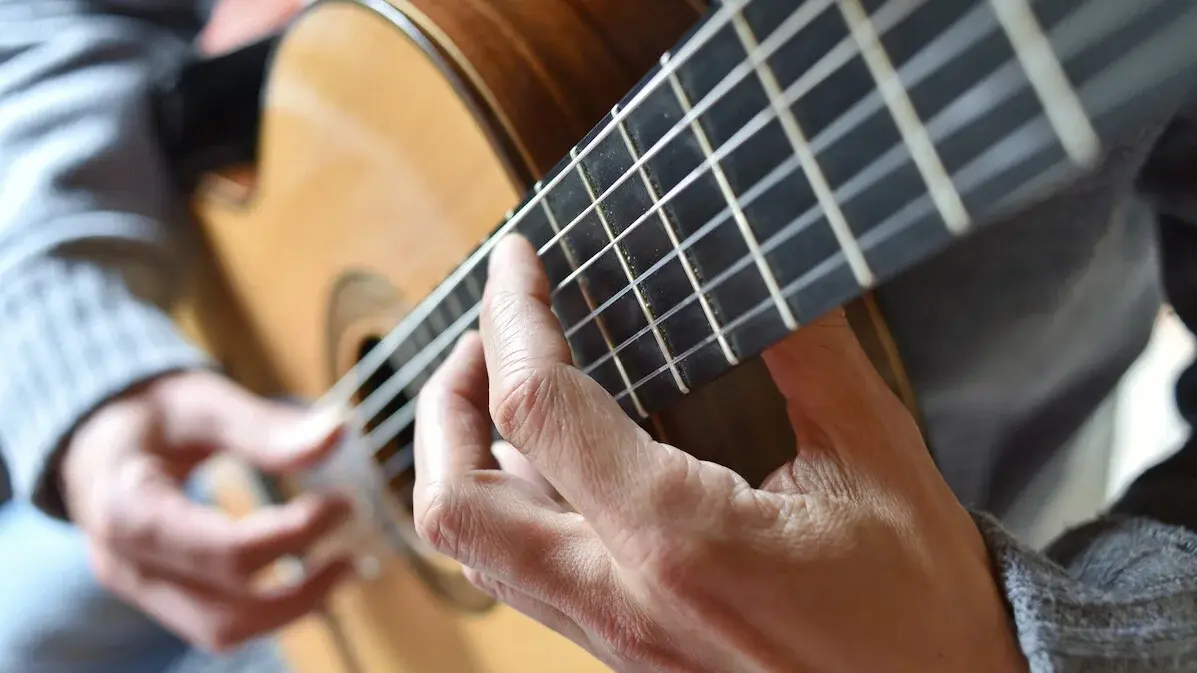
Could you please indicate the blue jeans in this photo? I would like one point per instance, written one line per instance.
(55, 618)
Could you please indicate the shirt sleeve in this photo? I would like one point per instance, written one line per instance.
(92, 229)
(1119, 594)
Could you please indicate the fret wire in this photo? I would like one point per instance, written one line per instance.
(896, 225)
(732, 358)
(810, 166)
(1060, 102)
(1065, 50)
(454, 303)
(435, 320)
(600, 324)
(473, 287)
(627, 272)
(824, 268)
(754, 248)
(790, 27)
(765, 304)
(821, 270)
(343, 390)
(886, 17)
(814, 73)
(827, 266)
(947, 199)
(795, 227)
(829, 63)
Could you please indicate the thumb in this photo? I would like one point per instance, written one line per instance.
(215, 415)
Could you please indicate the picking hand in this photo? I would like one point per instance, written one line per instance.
(853, 557)
(189, 565)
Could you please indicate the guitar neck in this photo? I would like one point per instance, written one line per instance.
(789, 155)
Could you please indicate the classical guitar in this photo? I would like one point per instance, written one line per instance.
(699, 183)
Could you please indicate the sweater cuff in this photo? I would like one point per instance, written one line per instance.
(1112, 596)
(72, 336)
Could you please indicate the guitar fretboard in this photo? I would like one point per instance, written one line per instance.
(789, 155)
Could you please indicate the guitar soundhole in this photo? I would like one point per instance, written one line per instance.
(395, 457)
(441, 575)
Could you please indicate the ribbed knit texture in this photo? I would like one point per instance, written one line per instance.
(91, 225)
(113, 341)
(1118, 595)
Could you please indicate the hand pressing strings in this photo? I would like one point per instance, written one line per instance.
(853, 557)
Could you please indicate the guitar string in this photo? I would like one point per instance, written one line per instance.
(890, 14)
(1004, 80)
(468, 319)
(418, 365)
(884, 19)
(921, 65)
(343, 390)
(1148, 52)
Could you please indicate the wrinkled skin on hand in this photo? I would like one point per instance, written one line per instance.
(853, 557)
(188, 565)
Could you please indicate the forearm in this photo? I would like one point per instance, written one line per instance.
(90, 226)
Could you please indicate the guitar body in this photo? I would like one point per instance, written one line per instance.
(394, 137)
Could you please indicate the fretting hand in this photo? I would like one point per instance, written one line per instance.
(188, 565)
(853, 557)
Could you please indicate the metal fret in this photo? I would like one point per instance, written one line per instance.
(1043, 70)
(732, 359)
(435, 321)
(627, 271)
(598, 321)
(473, 287)
(729, 195)
(454, 304)
(939, 184)
(810, 165)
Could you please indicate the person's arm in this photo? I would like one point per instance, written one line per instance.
(103, 404)
(1119, 593)
(91, 228)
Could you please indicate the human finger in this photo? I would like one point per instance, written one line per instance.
(463, 508)
(211, 414)
(570, 429)
(513, 462)
(212, 618)
(160, 527)
(452, 428)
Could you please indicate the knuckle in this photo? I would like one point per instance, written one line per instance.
(439, 523)
(518, 407)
